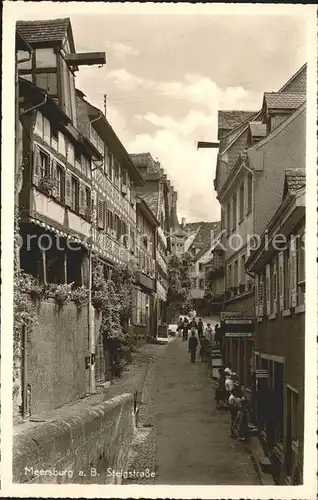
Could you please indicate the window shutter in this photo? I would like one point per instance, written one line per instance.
(105, 214)
(257, 295)
(100, 207)
(274, 287)
(36, 166)
(268, 285)
(261, 295)
(68, 189)
(81, 208)
(54, 178)
(293, 272)
(281, 280)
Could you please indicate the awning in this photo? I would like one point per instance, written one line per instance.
(54, 230)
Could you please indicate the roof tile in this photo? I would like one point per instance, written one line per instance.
(48, 30)
(295, 178)
(280, 100)
(231, 119)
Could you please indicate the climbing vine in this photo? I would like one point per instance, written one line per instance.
(113, 297)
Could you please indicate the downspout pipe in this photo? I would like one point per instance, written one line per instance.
(90, 309)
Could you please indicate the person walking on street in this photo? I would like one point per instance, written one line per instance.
(208, 333)
(193, 344)
(233, 402)
(185, 329)
(180, 325)
(200, 328)
(220, 391)
(217, 335)
(203, 348)
(229, 385)
(241, 423)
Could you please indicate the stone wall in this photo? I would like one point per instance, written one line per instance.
(84, 447)
(56, 351)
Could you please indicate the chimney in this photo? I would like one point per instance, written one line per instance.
(183, 222)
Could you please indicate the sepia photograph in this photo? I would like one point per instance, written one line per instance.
(158, 165)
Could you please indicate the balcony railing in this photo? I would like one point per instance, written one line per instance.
(237, 291)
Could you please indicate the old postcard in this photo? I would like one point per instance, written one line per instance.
(159, 249)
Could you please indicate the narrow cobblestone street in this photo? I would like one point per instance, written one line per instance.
(181, 435)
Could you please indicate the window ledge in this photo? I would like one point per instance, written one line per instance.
(286, 313)
(300, 309)
(272, 316)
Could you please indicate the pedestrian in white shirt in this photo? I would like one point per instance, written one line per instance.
(229, 385)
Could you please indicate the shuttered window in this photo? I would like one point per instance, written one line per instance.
(257, 295)
(286, 280)
(274, 287)
(301, 278)
(268, 289)
(281, 281)
(261, 295)
(100, 213)
(293, 272)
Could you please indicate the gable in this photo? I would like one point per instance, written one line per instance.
(297, 83)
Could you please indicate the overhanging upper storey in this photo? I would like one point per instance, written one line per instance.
(54, 60)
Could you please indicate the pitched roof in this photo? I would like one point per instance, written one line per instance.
(258, 129)
(152, 201)
(295, 179)
(231, 119)
(48, 30)
(202, 239)
(280, 100)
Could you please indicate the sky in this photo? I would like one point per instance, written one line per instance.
(169, 71)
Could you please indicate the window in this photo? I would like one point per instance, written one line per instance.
(87, 199)
(54, 137)
(286, 279)
(45, 58)
(78, 158)
(201, 283)
(48, 82)
(60, 180)
(74, 194)
(44, 165)
(200, 267)
(110, 165)
(194, 282)
(242, 274)
(229, 276)
(116, 173)
(241, 202)
(249, 192)
(291, 426)
(39, 124)
(228, 218)
(234, 211)
(235, 281)
(301, 269)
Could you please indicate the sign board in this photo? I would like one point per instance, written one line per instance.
(238, 334)
(238, 321)
(238, 327)
(230, 314)
(261, 373)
